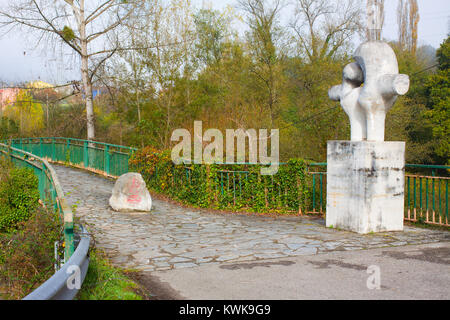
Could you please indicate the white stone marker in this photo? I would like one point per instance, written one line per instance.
(365, 176)
(130, 194)
(365, 186)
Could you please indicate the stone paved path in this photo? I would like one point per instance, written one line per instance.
(171, 237)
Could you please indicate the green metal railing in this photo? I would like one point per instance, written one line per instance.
(426, 195)
(106, 158)
(35, 153)
(50, 190)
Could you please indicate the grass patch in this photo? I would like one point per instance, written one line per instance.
(106, 282)
(424, 225)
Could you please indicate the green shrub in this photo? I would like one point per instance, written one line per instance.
(19, 196)
(27, 255)
(230, 187)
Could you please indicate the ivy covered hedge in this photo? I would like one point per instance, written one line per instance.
(228, 187)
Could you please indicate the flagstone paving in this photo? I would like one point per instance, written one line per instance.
(172, 237)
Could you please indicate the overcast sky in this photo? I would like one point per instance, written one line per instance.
(20, 61)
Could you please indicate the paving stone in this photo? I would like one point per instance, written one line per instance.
(203, 260)
(306, 251)
(270, 255)
(179, 259)
(227, 257)
(161, 264)
(174, 237)
(184, 265)
(295, 246)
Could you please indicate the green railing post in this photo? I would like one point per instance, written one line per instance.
(41, 148)
(408, 192)
(420, 192)
(107, 160)
(85, 155)
(446, 199)
(314, 192)
(69, 248)
(321, 192)
(53, 149)
(68, 150)
(127, 167)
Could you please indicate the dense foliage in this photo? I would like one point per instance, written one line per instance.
(194, 64)
(19, 196)
(228, 187)
(27, 255)
(438, 103)
(27, 233)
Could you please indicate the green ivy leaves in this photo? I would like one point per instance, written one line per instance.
(227, 187)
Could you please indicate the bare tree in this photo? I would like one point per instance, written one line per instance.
(413, 24)
(87, 27)
(264, 41)
(408, 22)
(375, 19)
(164, 45)
(323, 27)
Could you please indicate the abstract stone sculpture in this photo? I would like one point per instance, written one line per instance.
(365, 176)
(376, 69)
(130, 194)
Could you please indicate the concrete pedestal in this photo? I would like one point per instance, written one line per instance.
(365, 186)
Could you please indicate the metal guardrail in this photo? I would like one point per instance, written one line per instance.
(65, 284)
(50, 191)
(426, 195)
(105, 158)
(52, 195)
(430, 200)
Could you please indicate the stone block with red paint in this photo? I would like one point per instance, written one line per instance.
(130, 194)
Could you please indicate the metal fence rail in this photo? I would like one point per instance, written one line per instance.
(427, 199)
(65, 284)
(50, 190)
(109, 159)
(51, 194)
(426, 195)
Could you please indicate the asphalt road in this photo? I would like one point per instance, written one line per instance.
(409, 272)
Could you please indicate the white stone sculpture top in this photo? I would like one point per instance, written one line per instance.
(369, 89)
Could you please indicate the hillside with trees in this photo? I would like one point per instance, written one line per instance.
(169, 64)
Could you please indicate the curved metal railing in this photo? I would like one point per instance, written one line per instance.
(105, 158)
(65, 284)
(426, 194)
(52, 195)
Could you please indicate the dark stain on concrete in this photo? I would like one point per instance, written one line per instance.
(331, 262)
(252, 265)
(154, 288)
(433, 255)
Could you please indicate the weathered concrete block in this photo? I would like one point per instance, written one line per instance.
(130, 194)
(365, 185)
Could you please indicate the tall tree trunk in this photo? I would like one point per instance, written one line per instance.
(87, 83)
